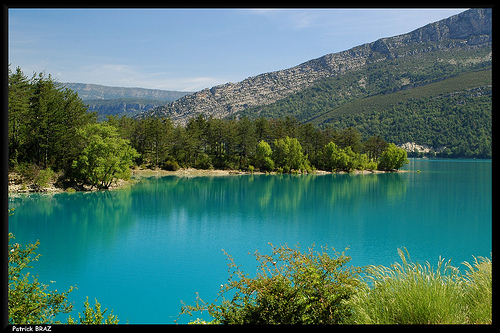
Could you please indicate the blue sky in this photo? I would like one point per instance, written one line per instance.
(192, 49)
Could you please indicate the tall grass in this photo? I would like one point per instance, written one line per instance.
(412, 293)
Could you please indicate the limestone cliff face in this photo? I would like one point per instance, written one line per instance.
(466, 30)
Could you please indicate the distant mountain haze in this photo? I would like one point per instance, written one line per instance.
(88, 91)
(121, 101)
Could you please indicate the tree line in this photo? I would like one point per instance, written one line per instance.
(51, 133)
(282, 145)
(50, 128)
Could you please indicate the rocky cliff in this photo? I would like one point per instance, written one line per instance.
(468, 30)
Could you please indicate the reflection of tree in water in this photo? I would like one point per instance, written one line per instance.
(271, 194)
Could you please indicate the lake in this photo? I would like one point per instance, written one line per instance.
(142, 250)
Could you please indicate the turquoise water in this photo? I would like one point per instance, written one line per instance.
(141, 250)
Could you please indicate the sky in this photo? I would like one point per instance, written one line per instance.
(192, 49)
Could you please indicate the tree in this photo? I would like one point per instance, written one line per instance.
(350, 137)
(288, 154)
(19, 100)
(374, 146)
(43, 119)
(335, 158)
(392, 158)
(104, 157)
(246, 139)
(263, 155)
(290, 287)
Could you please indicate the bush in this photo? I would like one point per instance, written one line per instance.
(291, 287)
(29, 172)
(44, 177)
(171, 166)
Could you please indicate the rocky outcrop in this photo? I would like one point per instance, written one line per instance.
(466, 30)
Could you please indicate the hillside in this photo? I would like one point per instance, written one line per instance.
(438, 50)
(452, 116)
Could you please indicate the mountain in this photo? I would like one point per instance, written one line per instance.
(120, 101)
(129, 107)
(434, 52)
(88, 91)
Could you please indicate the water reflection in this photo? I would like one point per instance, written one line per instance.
(276, 194)
(78, 223)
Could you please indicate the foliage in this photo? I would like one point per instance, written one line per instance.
(171, 166)
(263, 157)
(94, 316)
(291, 287)
(288, 155)
(43, 119)
(104, 156)
(412, 293)
(338, 159)
(392, 158)
(44, 177)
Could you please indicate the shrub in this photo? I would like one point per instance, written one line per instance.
(291, 287)
(44, 177)
(171, 166)
(28, 171)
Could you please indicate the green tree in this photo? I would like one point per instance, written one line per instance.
(263, 130)
(19, 101)
(392, 158)
(43, 119)
(374, 146)
(263, 158)
(350, 137)
(290, 287)
(104, 156)
(246, 140)
(336, 158)
(288, 154)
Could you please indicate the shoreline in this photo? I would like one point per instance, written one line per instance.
(16, 186)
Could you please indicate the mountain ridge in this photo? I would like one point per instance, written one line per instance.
(90, 91)
(468, 30)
